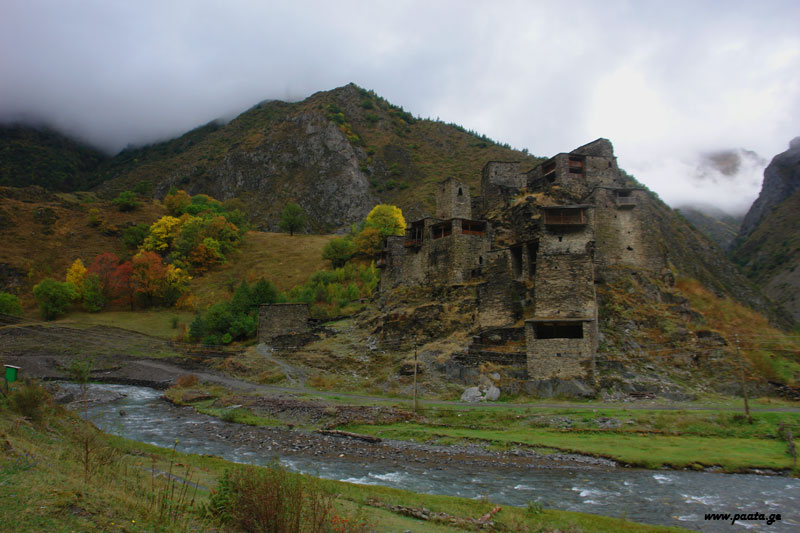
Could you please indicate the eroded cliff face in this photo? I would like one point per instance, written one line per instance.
(768, 245)
(781, 180)
(304, 159)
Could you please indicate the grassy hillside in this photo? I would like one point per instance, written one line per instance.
(285, 260)
(32, 155)
(43, 233)
(401, 155)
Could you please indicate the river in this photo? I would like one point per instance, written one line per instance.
(662, 497)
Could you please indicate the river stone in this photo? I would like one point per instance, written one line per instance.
(472, 395)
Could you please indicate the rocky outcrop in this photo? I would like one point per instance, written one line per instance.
(781, 180)
(305, 159)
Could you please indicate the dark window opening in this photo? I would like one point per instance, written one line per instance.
(480, 259)
(560, 238)
(459, 192)
(629, 248)
(471, 227)
(624, 194)
(559, 331)
(414, 234)
(444, 229)
(566, 216)
(516, 261)
(575, 165)
(533, 250)
(549, 171)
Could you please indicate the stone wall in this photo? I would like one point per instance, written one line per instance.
(499, 297)
(561, 358)
(276, 320)
(621, 230)
(500, 182)
(453, 200)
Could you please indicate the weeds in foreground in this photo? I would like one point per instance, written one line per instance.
(276, 501)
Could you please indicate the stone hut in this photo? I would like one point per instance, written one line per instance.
(278, 320)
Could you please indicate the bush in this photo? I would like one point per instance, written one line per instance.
(187, 380)
(30, 400)
(9, 304)
(338, 251)
(134, 236)
(54, 297)
(126, 201)
(271, 499)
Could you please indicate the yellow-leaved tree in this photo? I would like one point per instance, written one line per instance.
(162, 233)
(76, 273)
(387, 219)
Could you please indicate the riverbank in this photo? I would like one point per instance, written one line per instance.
(132, 486)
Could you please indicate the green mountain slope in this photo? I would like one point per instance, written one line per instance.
(714, 223)
(337, 153)
(41, 156)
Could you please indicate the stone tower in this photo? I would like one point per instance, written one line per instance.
(453, 200)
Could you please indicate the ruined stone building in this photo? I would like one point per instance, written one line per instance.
(534, 245)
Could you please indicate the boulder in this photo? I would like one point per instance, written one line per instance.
(472, 395)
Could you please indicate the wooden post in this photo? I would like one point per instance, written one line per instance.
(415, 375)
(741, 379)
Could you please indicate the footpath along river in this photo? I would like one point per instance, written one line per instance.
(562, 482)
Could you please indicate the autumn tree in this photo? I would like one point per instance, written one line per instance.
(76, 274)
(387, 219)
(292, 218)
(369, 241)
(121, 285)
(176, 202)
(104, 266)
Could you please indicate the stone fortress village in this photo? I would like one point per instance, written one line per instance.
(531, 247)
(535, 243)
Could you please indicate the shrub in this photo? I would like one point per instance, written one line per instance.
(126, 201)
(143, 188)
(338, 251)
(54, 297)
(9, 304)
(94, 218)
(134, 236)
(30, 400)
(187, 380)
(271, 499)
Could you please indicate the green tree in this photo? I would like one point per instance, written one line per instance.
(264, 292)
(338, 251)
(292, 218)
(387, 219)
(134, 236)
(126, 201)
(93, 298)
(9, 304)
(54, 297)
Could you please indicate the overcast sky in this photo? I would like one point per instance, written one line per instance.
(666, 81)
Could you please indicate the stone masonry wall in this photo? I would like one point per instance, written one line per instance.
(275, 320)
(500, 182)
(560, 358)
(621, 231)
(453, 200)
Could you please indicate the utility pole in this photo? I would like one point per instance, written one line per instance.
(741, 380)
(415, 374)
